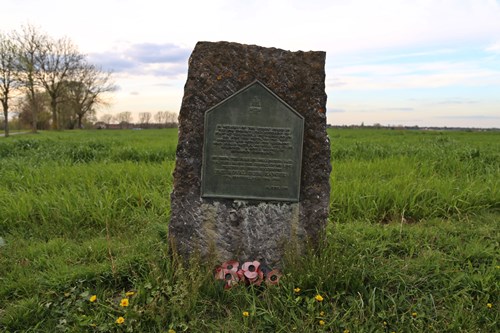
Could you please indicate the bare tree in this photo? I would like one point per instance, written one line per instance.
(124, 118)
(170, 118)
(160, 117)
(8, 81)
(144, 117)
(107, 118)
(30, 42)
(40, 102)
(58, 61)
(86, 91)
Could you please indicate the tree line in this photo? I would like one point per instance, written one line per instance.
(52, 82)
(161, 119)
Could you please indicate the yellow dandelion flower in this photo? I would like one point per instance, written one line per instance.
(93, 298)
(171, 331)
(414, 314)
(296, 290)
(347, 331)
(321, 323)
(124, 302)
(129, 293)
(120, 320)
(319, 298)
(385, 323)
(245, 314)
(489, 305)
(322, 313)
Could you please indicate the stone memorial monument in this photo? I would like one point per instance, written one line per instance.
(253, 159)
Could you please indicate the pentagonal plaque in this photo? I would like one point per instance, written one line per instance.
(252, 147)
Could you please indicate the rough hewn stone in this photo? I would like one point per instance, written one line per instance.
(234, 229)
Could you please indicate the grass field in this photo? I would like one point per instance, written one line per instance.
(413, 243)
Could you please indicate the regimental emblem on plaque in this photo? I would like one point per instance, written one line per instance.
(255, 105)
(252, 147)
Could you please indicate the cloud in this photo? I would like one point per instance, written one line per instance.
(158, 53)
(457, 101)
(163, 84)
(472, 117)
(335, 110)
(414, 75)
(335, 82)
(388, 109)
(396, 109)
(112, 61)
(166, 60)
(494, 48)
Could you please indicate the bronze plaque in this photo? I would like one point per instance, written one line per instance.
(252, 147)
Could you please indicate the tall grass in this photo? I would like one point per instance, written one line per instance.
(389, 175)
(413, 244)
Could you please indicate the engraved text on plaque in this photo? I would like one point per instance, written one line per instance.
(252, 147)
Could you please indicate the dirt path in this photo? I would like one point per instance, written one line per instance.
(15, 133)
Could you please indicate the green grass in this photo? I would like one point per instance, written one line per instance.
(414, 230)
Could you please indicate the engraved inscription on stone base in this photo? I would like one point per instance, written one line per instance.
(252, 147)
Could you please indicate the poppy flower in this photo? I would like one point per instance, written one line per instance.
(231, 265)
(250, 272)
(250, 269)
(258, 279)
(273, 277)
(231, 279)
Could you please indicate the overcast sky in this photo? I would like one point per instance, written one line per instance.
(409, 62)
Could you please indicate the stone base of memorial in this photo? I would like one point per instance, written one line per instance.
(251, 179)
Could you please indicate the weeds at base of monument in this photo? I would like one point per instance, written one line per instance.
(250, 273)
